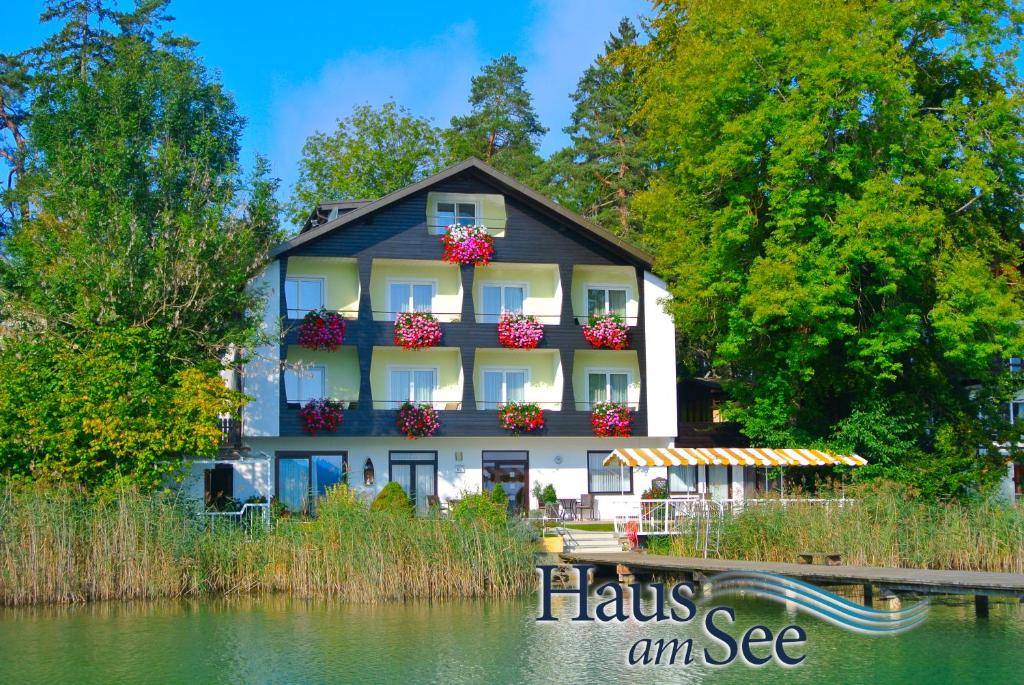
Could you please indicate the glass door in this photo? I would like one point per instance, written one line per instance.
(293, 485)
(416, 472)
(511, 469)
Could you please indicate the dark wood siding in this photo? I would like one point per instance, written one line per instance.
(533, 236)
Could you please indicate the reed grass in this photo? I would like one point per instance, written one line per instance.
(60, 544)
(884, 526)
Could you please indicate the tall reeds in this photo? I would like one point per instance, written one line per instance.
(60, 544)
(884, 526)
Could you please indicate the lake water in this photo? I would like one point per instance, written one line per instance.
(286, 640)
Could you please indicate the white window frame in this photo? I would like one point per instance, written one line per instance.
(392, 309)
(504, 370)
(607, 383)
(322, 281)
(438, 229)
(501, 284)
(605, 287)
(394, 402)
(299, 381)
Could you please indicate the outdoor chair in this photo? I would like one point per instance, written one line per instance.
(551, 512)
(586, 505)
(434, 503)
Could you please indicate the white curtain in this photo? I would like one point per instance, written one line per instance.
(619, 384)
(606, 478)
(491, 307)
(293, 483)
(399, 387)
(514, 300)
(682, 478)
(422, 297)
(617, 302)
(515, 386)
(492, 389)
(423, 381)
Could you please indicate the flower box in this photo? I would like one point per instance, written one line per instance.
(519, 331)
(611, 420)
(467, 245)
(608, 331)
(521, 417)
(322, 330)
(418, 420)
(415, 330)
(321, 415)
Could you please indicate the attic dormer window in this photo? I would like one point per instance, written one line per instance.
(460, 213)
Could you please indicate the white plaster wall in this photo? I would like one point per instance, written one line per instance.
(252, 477)
(261, 377)
(455, 476)
(660, 348)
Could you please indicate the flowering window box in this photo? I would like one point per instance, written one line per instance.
(467, 245)
(519, 331)
(321, 416)
(415, 330)
(418, 420)
(611, 420)
(608, 331)
(521, 417)
(322, 330)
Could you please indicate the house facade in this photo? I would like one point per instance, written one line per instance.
(368, 261)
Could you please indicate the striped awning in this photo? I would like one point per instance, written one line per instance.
(726, 456)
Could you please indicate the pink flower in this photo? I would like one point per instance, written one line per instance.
(611, 420)
(519, 331)
(467, 245)
(322, 330)
(320, 415)
(521, 417)
(418, 421)
(607, 331)
(414, 330)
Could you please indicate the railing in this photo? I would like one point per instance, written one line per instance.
(584, 319)
(230, 432)
(735, 506)
(588, 406)
(264, 512)
(699, 518)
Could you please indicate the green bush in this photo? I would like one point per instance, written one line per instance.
(393, 498)
(548, 495)
(480, 507)
(499, 495)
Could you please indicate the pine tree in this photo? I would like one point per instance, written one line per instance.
(603, 168)
(502, 129)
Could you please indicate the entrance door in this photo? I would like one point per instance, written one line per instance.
(416, 472)
(511, 469)
(301, 478)
(218, 486)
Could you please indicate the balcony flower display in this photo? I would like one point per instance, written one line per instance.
(320, 416)
(467, 245)
(322, 330)
(414, 330)
(611, 420)
(418, 420)
(608, 331)
(521, 417)
(519, 331)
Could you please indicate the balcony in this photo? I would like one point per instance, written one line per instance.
(315, 282)
(534, 289)
(497, 374)
(398, 285)
(435, 372)
(317, 373)
(605, 289)
(602, 375)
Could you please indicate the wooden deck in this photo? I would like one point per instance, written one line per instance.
(897, 579)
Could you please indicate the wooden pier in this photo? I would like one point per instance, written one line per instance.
(889, 580)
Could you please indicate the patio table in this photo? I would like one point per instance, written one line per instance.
(569, 508)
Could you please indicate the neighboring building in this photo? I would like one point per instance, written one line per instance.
(370, 259)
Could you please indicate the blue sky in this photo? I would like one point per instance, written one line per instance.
(295, 67)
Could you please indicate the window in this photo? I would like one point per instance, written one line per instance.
(416, 472)
(503, 385)
(410, 297)
(607, 386)
(606, 301)
(461, 213)
(302, 385)
(303, 477)
(411, 385)
(1015, 364)
(1016, 411)
(303, 295)
(501, 298)
(608, 479)
(682, 479)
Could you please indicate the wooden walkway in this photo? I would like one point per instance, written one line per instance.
(976, 583)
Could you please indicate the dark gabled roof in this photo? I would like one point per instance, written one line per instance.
(319, 215)
(574, 220)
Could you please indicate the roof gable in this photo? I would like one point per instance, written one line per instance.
(502, 181)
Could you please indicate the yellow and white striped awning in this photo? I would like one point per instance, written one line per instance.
(728, 456)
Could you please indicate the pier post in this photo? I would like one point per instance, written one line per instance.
(981, 606)
(868, 595)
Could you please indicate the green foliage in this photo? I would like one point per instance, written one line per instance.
(371, 153)
(105, 408)
(837, 208)
(498, 495)
(548, 495)
(606, 164)
(502, 127)
(393, 498)
(475, 508)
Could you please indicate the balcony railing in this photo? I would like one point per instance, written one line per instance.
(230, 432)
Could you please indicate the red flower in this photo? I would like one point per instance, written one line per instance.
(607, 331)
(418, 421)
(519, 331)
(467, 245)
(611, 420)
(414, 330)
(521, 417)
(322, 330)
(321, 415)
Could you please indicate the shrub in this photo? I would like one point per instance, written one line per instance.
(548, 495)
(499, 495)
(392, 498)
(656, 491)
(475, 508)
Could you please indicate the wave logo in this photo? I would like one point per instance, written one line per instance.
(814, 601)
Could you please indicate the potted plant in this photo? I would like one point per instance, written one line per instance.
(322, 330)
(321, 415)
(611, 420)
(467, 245)
(416, 330)
(418, 420)
(607, 331)
(521, 417)
(519, 331)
